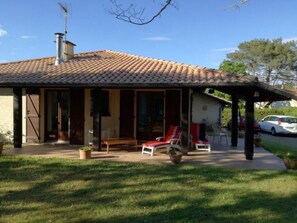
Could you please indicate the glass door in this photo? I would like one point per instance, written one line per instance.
(150, 115)
(57, 115)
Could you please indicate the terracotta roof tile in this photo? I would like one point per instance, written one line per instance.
(110, 68)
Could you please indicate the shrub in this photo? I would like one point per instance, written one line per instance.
(260, 113)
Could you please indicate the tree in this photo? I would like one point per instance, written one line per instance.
(136, 16)
(272, 61)
(233, 67)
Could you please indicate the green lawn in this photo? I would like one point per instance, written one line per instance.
(279, 149)
(61, 190)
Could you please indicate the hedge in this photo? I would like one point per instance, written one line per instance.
(260, 113)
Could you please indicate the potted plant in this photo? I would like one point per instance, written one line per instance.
(175, 154)
(5, 139)
(85, 153)
(257, 141)
(290, 160)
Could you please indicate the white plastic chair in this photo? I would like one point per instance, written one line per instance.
(219, 132)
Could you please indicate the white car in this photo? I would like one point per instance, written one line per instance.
(279, 124)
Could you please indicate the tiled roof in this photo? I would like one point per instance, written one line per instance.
(113, 69)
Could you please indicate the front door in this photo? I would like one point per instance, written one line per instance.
(127, 113)
(150, 115)
(57, 115)
(33, 115)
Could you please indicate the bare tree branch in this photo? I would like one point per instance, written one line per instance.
(131, 15)
(238, 4)
(136, 17)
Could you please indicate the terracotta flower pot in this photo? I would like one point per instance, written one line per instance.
(185, 151)
(290, 163)
(175, 158)
(84, 154)
(257, 144)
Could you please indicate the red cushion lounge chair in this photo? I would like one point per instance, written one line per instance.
(199, 137)
(172, 138)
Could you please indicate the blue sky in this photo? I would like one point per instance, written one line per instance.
(197, 32)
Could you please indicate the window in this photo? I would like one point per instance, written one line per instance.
(104, 103)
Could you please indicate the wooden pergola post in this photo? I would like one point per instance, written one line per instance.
(17, 117)
(249, 129)
(234, 123)
(96, 119)
(186, 97)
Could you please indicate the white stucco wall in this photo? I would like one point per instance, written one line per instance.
(205, 109)
(6, 112)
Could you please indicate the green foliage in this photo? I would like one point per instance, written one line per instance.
(233, 67)
(270, 60)
(291, 155)
(258, 139)
(66, 190)
(174, 150)
(85, 148)
(222, 95)
(6, 137)
(260, 113)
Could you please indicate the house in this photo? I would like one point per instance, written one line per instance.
(291, 103)
(207, 108)
(62, 98)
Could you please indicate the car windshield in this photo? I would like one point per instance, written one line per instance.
(289, 120)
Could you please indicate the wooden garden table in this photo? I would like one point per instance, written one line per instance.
(118, 141)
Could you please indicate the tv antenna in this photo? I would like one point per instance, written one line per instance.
(65, 10)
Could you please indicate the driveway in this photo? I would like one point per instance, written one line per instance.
(290, 140)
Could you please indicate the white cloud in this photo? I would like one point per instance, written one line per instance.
(226, 50)
(157, 38)
(3, 32)
(28, 37)
(290, 39)
(3, 61)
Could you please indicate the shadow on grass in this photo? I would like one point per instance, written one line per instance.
(73, 191)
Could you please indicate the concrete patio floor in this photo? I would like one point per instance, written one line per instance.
(221, 155)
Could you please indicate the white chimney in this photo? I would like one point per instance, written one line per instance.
(68, 50)
(59, 42)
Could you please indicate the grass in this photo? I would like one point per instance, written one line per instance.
(62, 190)
(277, 148)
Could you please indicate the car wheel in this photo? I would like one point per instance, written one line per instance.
(273, 132)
